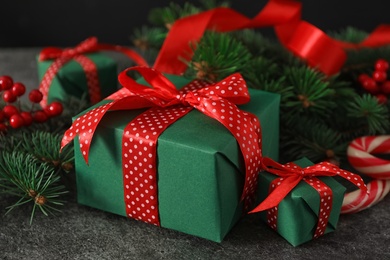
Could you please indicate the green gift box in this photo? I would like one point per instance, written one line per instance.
(200, 168)
(71, 80)
(298, 212)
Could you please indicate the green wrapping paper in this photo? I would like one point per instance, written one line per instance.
(200, 169)
(71, 79)
(298, 211)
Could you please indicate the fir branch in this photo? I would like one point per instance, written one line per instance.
(146, 38)
(217, 56)
(349, 34)
(370, 114)
(362, 60)
(311, 138)
(210, 4)
(166, 16)
(45, 147)
(258, 45)
(33, 182)
(312, 93)
(264, 74)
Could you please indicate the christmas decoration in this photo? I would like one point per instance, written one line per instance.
(377, 84)
(297, 193)
(361, 156)
(329, 95)
(323, 107)
(30, 163)
(203, 209)
(80, 70)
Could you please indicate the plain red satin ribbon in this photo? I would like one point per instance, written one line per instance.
(300, 37)
(293, 175)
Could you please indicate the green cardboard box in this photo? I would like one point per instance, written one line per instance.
(298, 211)
(71, 79)
(200, 168)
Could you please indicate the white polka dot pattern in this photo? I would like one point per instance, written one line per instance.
(64, 56)
(85, 126)
(91, 73)
(139, 160)
(140, 135)
(290, 175)
(51, 72)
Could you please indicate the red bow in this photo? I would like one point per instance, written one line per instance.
(292, 174)
(217, 101)
(300, 37)
(61, 57)
(86, 46)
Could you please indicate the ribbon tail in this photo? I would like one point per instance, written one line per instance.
(85, 126)
(278, 194)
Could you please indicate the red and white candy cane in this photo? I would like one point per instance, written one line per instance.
(360, 155)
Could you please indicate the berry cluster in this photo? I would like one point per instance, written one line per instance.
(12, 115)
(378, 84)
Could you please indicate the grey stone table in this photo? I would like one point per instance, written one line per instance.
(80, 232)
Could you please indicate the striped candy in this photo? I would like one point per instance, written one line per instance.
(360, 155)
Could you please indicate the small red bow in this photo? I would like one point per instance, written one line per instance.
(86, 46)
(292, 174)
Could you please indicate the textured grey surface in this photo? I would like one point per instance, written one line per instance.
(83, 233)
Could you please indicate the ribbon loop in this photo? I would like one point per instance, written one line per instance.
(217, 101)
(293, 174)
(61, 57)
(86, 46)
(300, 37)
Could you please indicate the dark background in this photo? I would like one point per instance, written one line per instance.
(63, 23)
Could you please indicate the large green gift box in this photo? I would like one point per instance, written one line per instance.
(71, 80)
(200, 168)
(298, 212)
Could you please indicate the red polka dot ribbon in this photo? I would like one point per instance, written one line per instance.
(290, 175)
(61, 57)
(167, 105)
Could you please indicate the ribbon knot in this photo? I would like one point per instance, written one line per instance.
(166, 105)
(86, 46)
(291, 174)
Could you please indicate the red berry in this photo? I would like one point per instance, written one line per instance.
(18, 89)
(379, 75)
(381, 65)
(10, 110)
(35, 96)
(6, 82)
(370, 85)
(16, 121)
(54, 109)
(385, 87)
(3, 128)
(27, 117)
(382, 99)
(363, 77)
(40, 116)
(8, 96)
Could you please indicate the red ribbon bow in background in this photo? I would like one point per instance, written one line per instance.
(167, 105)
(300, 37)
(62, 56)
(290, 175)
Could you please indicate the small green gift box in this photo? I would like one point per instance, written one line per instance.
(200, 168)
(299, 214)
(71, 79)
